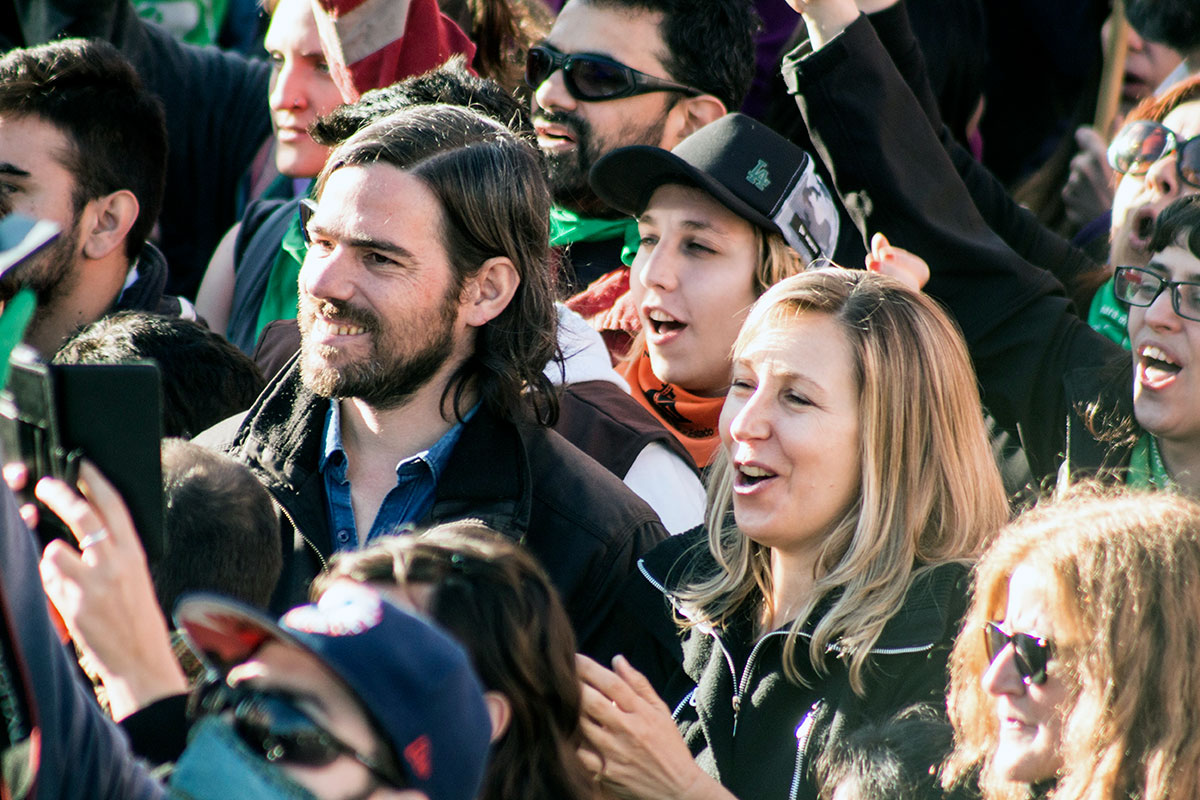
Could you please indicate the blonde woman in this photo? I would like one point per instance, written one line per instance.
(1075, 673)
(856, 467)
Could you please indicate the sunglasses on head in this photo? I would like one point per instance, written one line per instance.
(1142, 142)
(273, 726)
(593, 77)
(1030, 653)
(1141, 287)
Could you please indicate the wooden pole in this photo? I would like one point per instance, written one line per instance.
(1113, 76)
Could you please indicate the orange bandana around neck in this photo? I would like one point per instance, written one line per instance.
(692, 419)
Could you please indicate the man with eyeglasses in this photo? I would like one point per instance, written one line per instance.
(614, 73)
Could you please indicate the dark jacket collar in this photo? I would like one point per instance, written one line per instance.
(486, 477)
(932, 605)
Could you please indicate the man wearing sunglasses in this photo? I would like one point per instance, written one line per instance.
(614, 73)
(348, 699)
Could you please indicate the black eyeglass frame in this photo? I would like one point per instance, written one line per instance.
(215, 697)
(637, 82)
(1120, 281)
(1172, 145)
(1031, 653)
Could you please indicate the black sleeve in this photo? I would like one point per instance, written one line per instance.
(74, 750)
(158, 732)
(1017, 226)
(894, 176)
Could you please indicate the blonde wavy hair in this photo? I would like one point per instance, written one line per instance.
(1124, 568)
(929, 491)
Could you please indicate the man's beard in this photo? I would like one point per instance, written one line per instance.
(50, 272)
(568, 172)
(402, 359)
(1175, 23)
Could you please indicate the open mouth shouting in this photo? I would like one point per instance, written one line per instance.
(1156, 369)
(661, 327)
(1142, 228)
(749, 477)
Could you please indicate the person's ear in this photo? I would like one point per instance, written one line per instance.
(106, 223)
(500, 711)
(489, 291)
(690, 115)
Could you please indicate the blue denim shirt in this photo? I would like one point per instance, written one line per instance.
(407, 502)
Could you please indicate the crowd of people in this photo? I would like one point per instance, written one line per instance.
(598, 399)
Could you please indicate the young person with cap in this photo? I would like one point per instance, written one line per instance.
(351, 697)
(348, 697)
(729, 212)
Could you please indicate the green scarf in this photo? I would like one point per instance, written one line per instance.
(13, 322)
(1146, 467)
(567, 227)
(1108, 316)
(281, 296)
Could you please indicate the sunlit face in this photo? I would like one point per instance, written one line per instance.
(35, 181)
(320, 695)
(1166, 357)
(1029, 716)
(574, 134)
(1140, 198)
(790, 425)
(379, 303)
(693, 284)
(301, 88)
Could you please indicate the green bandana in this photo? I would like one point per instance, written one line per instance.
(1108, 316)
(13, 322)
(567, 227)
(282, 293)
(1146, 467)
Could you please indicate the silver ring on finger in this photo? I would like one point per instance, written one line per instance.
(93, 538)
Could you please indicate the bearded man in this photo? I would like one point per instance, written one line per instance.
(418, 395)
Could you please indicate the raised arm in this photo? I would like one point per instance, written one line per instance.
(77, 751)
(895, 177)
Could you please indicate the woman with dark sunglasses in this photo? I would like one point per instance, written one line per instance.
(1074, 670)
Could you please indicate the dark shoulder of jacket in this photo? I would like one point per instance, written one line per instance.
(932, 610)
(263, 226)
(611, 427)
(573, 484)
(1101, 427)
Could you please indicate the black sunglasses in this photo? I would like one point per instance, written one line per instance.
(270, 723)
(1141, 287)
(593, 77)
(1143, 141)
(1030, 653)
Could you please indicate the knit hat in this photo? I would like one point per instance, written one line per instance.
(747, 167)
(413, 681)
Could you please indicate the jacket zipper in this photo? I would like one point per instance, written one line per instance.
(803, 735)
(688, 699)
(740, 685)
(300, 533)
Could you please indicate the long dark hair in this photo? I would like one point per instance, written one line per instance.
(495, 202)
(494, 598)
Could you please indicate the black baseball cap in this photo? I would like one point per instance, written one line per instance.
(747, 167)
